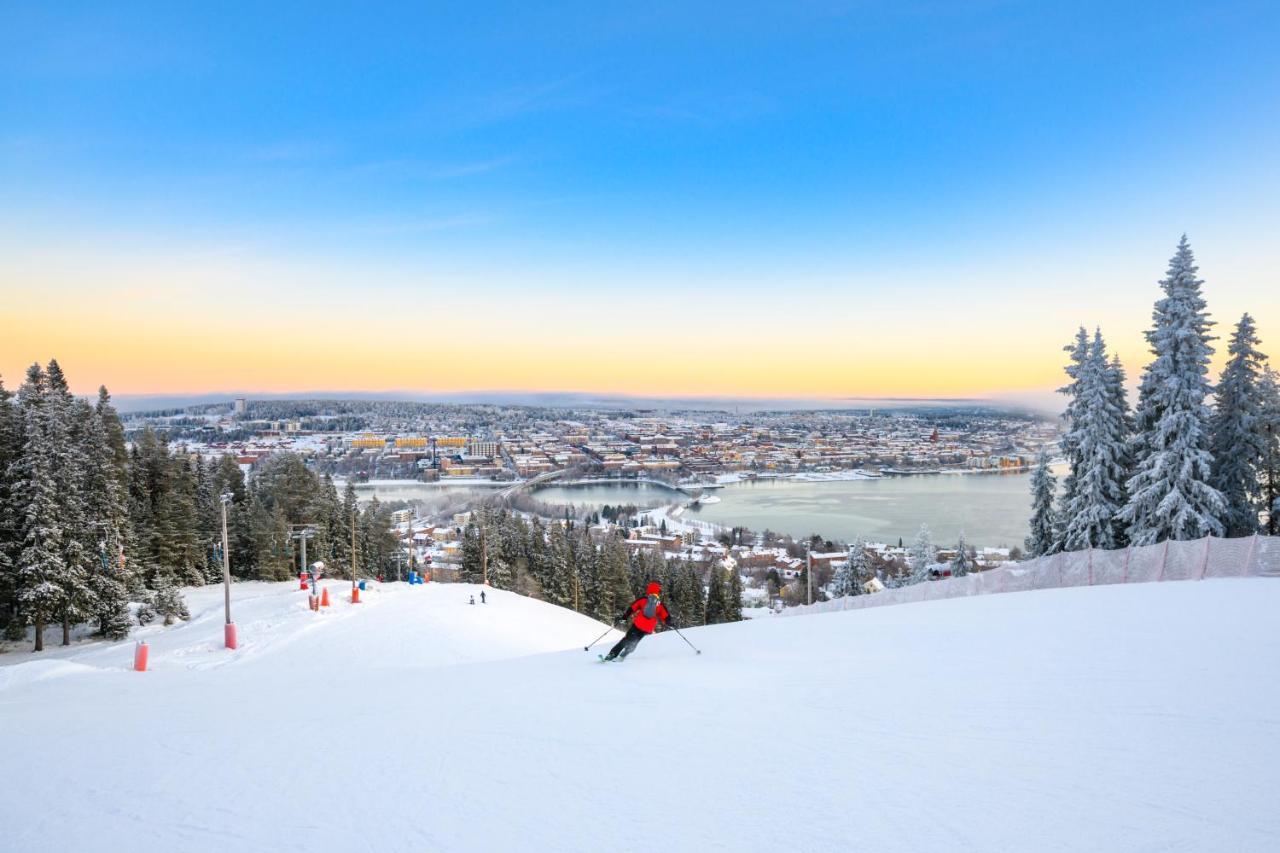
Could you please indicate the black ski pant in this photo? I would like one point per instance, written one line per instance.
(627, 644)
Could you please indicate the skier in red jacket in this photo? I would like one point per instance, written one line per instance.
(648, 611)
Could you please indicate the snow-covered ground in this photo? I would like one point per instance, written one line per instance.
(1142, 717)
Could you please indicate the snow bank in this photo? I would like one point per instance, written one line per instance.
(32, 671)
(1106, 718)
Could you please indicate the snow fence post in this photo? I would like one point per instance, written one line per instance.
(1128, 549)
(1164, 561)
(1090, 565)
(1248, 561)
(140, 656)
(1204, 567)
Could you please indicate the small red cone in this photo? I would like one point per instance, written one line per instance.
(324, 597)
(140, 657)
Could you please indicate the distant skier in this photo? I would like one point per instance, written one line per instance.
(473, 600)
(482, 601)
(648, 611)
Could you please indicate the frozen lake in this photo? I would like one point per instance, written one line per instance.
(991, 509)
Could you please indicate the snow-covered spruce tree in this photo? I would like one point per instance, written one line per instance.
(717, 597)
(1269, 389)
(10, 542)
(962, 563)
(1098, 435)
(1237, 438)
(561, 571)
(694, 609)
(66, 420)
(169, 603)
(41, 576)
(1078, 351)
(735, 595)
(1043, 536)
(1170, 494)
(615, 589)
(921, 555)
(105, 507)
(849, 577)
(1120, 403)
(146, 613)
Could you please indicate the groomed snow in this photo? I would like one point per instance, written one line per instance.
(1106, 718)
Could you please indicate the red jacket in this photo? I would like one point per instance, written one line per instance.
(645, 623)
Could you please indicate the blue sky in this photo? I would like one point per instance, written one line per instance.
(864, 159)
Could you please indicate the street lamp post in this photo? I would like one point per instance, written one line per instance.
(229, 631)
(808, 572)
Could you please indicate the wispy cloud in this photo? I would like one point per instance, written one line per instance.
(419, 226)
(291, 151)
(418, 170)
(709, 110)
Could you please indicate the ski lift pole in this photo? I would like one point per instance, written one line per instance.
(229, 631)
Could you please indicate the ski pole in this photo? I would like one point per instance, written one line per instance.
(598, 639)
(686, 639)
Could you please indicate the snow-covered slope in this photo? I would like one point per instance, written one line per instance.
(1107, 718)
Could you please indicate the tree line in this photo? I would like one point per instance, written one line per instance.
(561, 562)
(1173, 467)
(95, 529)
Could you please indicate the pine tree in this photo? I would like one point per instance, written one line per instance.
(1238, 440)
(105, 505)
(921, 556)
(1118, 395)
(10, 542)
(208, 521)
(1100, 442)
(471, 570)
(1043, 537)
(41, 577)
(559, 588)
(850, 577)
(66, 419)
(693, 610)
(1076, 369)
(177, 547)
(962, 563)
(735, 596)
(169, 603)
(717, 597)
(615, 589)
(539, 559)
(1269, 393)
(1170, 494)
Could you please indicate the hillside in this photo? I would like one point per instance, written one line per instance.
(1106, 718)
